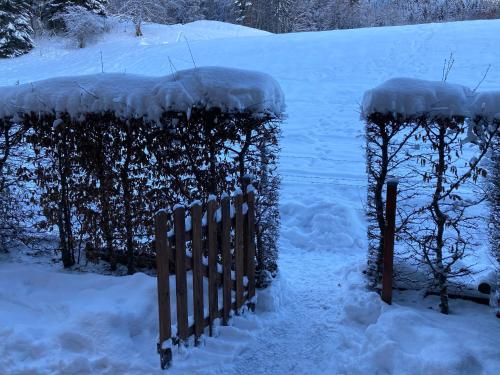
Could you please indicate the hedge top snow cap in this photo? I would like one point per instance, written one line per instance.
(135, 96)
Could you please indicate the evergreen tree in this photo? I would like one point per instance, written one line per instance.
(243, 10)
(15, 28)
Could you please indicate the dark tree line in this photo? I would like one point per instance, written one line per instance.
(279, 16)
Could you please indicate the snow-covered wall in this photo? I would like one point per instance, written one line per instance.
(411, 98)
(126, 95)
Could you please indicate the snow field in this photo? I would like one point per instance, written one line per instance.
(318, 318)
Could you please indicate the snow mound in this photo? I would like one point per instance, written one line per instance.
(207, 29)
(126, 95)
(413, 97)
(487, 105)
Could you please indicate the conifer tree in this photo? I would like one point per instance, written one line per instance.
(15, 28)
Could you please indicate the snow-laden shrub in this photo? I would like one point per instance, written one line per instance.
(82, 26)
(110, 150)
(416, 131)
(49, 9)
(494, 199)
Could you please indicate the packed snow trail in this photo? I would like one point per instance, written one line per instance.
(317, 318)
(306, 336)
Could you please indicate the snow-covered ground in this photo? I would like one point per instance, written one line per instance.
(317, 318)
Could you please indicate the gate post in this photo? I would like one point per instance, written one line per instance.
(390, 224)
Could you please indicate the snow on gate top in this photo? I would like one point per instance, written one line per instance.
(135, 96)
(413, 97)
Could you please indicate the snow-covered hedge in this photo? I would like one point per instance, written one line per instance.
(416, 131)
(486, 107)
(109, 150)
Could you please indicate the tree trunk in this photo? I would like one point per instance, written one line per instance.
(440, 220)
(138, 30)
(64, 209)
(127, 198)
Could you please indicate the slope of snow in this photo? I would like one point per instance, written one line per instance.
(129, 95)
(318, 318)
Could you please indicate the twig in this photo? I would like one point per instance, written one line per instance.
(447, 66)
(190, 52)
(482, 79)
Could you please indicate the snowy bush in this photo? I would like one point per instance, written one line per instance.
(15, 195)
(416, 131)
(104, 172)
(487, 117)
(82, 25)
(51, 8)
(494, 199)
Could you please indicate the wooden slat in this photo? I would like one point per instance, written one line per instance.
(212, 264)
(163, 282)
(238, 250)
(226, 259)
(196, 244)
(204, 268)
(250, 246)
(188, 234)
(180, 274)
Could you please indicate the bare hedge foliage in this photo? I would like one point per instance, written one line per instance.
(102, 178)
(439, 189)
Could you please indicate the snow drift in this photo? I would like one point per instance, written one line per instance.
(127, 95)
(414, 97)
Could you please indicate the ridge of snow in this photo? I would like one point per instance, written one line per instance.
(487, 105)
(127, 95)
(413, 97)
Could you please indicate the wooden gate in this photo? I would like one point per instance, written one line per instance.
(218, 247)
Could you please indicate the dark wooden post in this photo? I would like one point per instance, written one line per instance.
(238, 250)
(246, 180)
(163, 282)
(250, 244)
(226, 259)
(180, 274)
(213, 299)
(390, 227)
(196, 238)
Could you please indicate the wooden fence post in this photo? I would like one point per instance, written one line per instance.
(390, 212)
(163, 282)
(238, 250)
(180, 274)
(213, 298)
(250, 244)
(226, 259)
(196, 241)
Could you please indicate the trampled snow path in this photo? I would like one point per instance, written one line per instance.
(317, 326)
(306, 336)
